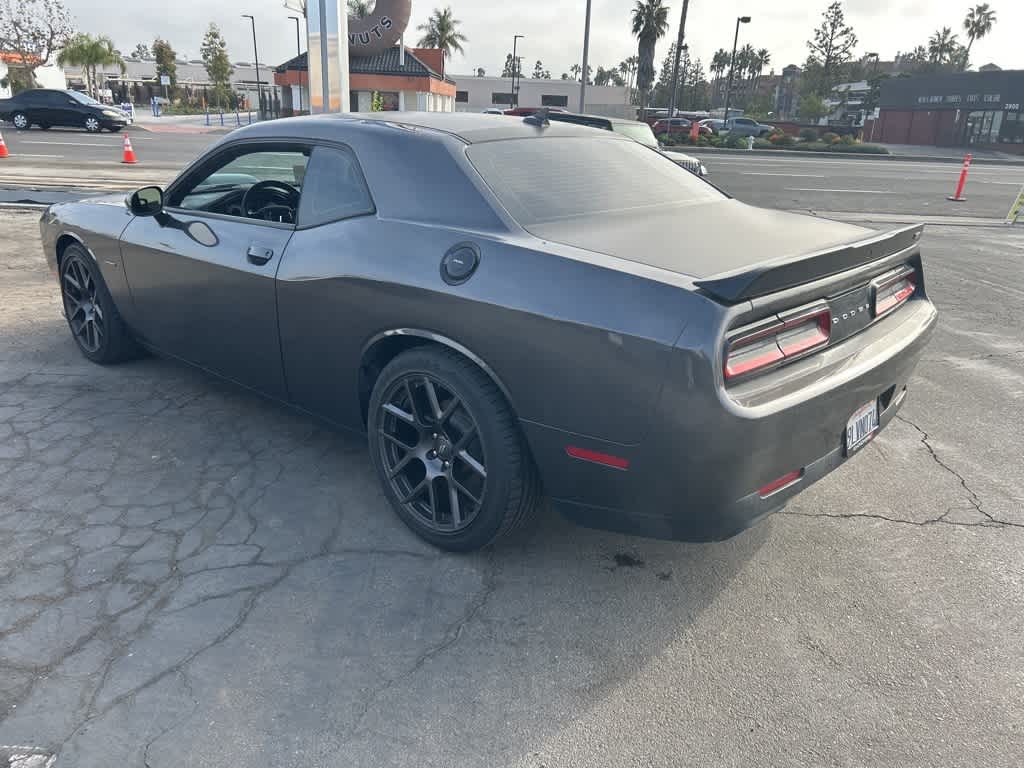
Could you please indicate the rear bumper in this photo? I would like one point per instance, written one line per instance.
(695, 476)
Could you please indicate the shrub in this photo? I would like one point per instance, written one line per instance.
(863, 149)
(830, 138)
(668, 139)
(702, 141)
(814, 146)
(848, 139)
(783, 140)
(737, 141)
(763, 144)
(809, 134)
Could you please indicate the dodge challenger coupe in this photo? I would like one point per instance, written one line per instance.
(507, 307)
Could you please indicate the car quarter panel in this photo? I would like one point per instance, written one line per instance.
(579, 347)
(97, 224)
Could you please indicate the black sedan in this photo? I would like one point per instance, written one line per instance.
(508, 307)
(46, 107)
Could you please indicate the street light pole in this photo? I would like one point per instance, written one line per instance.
(515, 70)
(256, 55)
(732, 65)
(298, 52)
(586, 54)
(675, 67)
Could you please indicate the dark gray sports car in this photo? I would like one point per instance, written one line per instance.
(510, 306)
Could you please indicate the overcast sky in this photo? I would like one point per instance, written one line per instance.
(554, 28)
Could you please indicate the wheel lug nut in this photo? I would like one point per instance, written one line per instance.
(444, 465)
(434, 436)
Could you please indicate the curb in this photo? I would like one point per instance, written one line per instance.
(842, 155)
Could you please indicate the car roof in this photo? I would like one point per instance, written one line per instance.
(468, 127)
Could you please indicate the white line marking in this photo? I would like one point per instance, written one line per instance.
(28, 154)
(113, 143)
(857, 191)
(791, 175)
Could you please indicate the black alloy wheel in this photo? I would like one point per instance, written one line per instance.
(448, 450)
(95, 323)
(82, 306)
(431, 450)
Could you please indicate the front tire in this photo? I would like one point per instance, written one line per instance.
(448, 450)
(20, 121)
(97, 328)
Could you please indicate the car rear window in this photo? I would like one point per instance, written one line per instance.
(552, 179)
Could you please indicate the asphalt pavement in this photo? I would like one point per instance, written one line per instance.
(193, 576)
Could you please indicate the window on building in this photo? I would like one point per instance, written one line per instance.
(550, 100)
(462, 96)
(501, 98)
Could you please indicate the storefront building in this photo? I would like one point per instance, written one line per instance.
(969, 109)
(412, 82)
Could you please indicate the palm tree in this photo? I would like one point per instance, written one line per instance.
(88, 52)
(942, 46)
(575, 70)
(719, 63)
(977, 24)
(441, 31)
(650, 23)
(762, 58)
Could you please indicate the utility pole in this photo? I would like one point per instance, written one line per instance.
(679, 51)
(515, 70)
(298, 52)
(586, 54)
(256, 55)
(732, 66)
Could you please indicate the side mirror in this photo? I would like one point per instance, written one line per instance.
(147, 201)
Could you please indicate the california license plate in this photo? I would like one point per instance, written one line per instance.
(861, 426)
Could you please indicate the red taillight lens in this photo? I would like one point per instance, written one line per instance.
(790, 336)
(783, 482)
(892, 290)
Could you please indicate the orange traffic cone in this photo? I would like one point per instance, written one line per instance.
(129, 153)
(3, 147)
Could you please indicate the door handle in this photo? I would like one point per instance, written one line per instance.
(259, 254)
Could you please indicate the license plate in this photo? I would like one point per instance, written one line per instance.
(861, 426)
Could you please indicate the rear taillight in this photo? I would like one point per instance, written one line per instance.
(764, 346)
(892, 290)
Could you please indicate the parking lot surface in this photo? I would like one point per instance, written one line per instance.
(190, 575)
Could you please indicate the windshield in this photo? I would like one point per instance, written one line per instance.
(83, 98)
(551, 179)
(637, 131)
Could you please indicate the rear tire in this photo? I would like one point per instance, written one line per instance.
(20, 121)
(448, 451)
(97, 328)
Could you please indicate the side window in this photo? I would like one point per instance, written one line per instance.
(263, 183)
(55, 99)
(334, 189)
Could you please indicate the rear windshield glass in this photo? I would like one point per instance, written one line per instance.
(551, 179)
(638, 132)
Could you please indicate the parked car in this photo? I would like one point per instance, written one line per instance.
(671, 125)
(46, 107)
(573, 316)
(494, 111)
(635, 130)
(712, 125)
(744, 126)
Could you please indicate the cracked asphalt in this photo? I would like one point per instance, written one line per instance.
(190, 575)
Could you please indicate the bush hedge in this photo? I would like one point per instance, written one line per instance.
(809, 134)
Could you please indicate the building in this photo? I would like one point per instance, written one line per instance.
(413, 81)
(981, 109)
(475, 94)
(50, 76)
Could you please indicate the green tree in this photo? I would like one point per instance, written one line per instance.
(942, 46)
(650, 23)
(141, 52)
(360, 9)
(33, 30)
(376, 102)
(165, 56)
(442, 31)
(508, 70)
(812, 108)
(214, 51)
(977, 24)
(539, 73)
(90, 53)
(832, 46)
(574, 71)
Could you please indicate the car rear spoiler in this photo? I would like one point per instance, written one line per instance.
(790, 271)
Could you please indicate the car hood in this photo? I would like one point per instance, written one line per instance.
(701, 239)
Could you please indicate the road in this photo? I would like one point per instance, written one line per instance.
(193, 576)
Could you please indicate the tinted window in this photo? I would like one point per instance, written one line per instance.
(551, 179)
(501, 98)
(550, 100)
(81, 98)
(55, 99)
(637, 131)
(462, 96)
(334, 188)
(32, 98)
